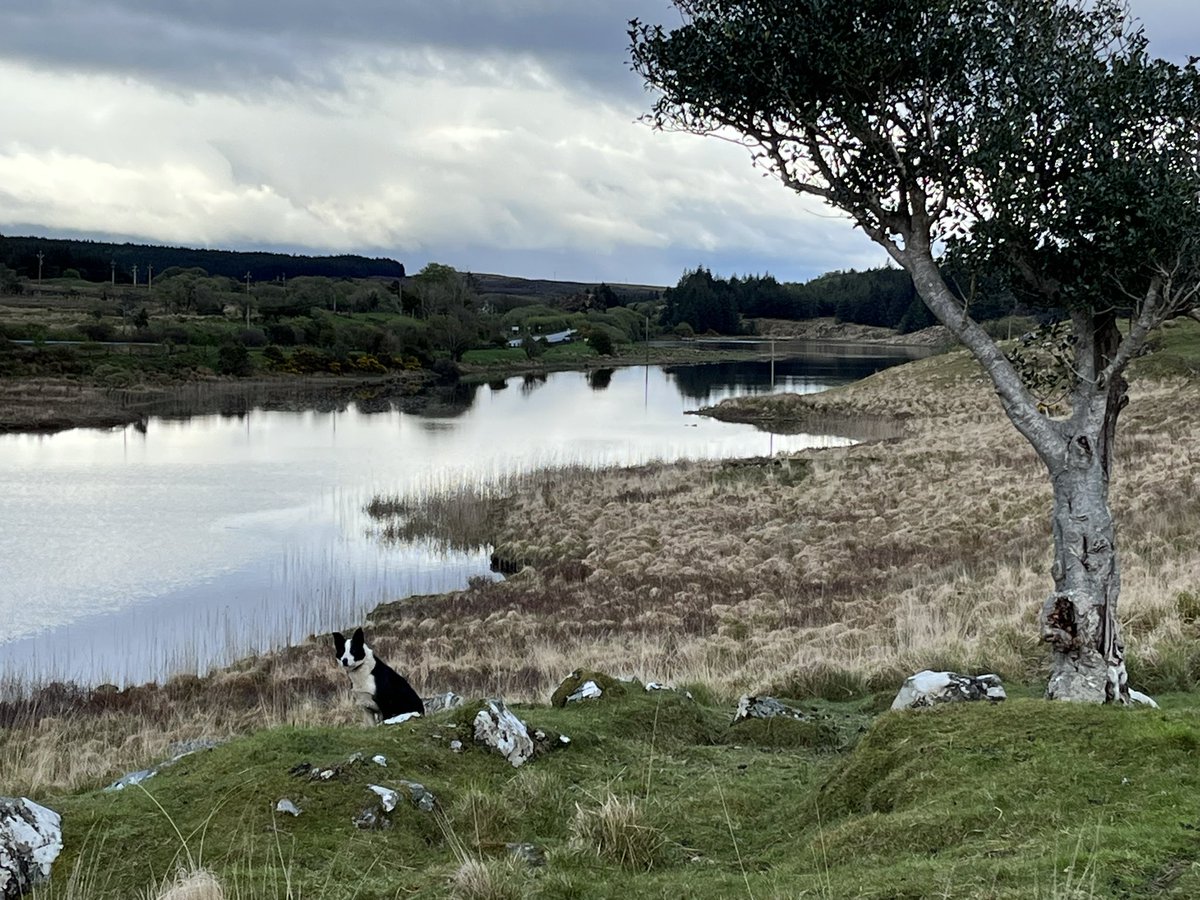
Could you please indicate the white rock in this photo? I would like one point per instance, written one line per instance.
(287, 806)
(502, 731)
(1139, 697)
(589, 690)
(931, 688)
(30, 841)
(387, 797)
(379, 760)
(456, 746)
(402, 718)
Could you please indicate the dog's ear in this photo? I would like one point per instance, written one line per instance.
(356, 643)
(339, 644)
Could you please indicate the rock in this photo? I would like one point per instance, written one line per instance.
(589, 690)
(287, 806)
(544, 740)
(372, 818)
(931, 688)
(388, 798)
(1142, 699)
(379, 760)
(377, 815)
(585, 685)
(456, 746)
(30, 841)
(500, 730)
(751, 707)
(178, 751)
(448, 700)
(420, 795)
(402, 718)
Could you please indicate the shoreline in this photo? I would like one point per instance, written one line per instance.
(47, 405)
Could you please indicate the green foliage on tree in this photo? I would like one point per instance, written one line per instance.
(705, 302)
(234, 359)
(601, 341)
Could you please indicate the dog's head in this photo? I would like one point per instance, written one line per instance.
(353, 653)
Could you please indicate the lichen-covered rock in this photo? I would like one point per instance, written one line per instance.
(498, 729)
(586, 685)
(30, 841)
(932, 688)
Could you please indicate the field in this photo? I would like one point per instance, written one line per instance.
(825, 579)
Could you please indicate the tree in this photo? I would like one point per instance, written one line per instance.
(601, 341)
(1040, 144)
(705, 302)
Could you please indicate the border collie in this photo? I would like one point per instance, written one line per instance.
(377, 688)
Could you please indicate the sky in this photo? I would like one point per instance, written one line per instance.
(490, 135)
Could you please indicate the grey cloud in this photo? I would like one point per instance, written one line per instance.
(236, 47)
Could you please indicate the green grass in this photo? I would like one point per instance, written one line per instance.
(1024, 799)
(1175, 350)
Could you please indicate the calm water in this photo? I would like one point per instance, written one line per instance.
(127, 555)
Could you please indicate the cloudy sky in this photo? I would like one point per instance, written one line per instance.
(492, 135)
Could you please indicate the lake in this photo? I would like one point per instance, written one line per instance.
(131, 554)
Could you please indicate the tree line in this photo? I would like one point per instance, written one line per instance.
(100, 261)
(702, 303)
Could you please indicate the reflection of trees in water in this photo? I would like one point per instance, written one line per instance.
(699, 382)
(450, 401)
(532, 382)
(599, 379)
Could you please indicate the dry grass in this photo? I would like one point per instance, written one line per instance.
(617, 830)
(198, 884)
(840, 571)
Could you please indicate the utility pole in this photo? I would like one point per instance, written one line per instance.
(40, 257)
(247, 299)
(114, 272)
(150, 278)
(135, 275)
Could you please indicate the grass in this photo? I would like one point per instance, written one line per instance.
(825, 581)
(1012, 801)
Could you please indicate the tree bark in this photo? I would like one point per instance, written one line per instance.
(1079, 619)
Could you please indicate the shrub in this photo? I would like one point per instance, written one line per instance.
(234, 359)
(601, 341)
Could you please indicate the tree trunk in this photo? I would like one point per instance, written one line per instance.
(1079, 620)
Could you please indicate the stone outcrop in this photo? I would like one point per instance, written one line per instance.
(933, 688)
(30, 841)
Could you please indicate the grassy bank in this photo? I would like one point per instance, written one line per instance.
(659, 796)
(825, 578)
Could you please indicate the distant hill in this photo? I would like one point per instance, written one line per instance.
(540, 289)
(94, 261)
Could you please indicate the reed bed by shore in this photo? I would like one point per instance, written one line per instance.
(831, 573)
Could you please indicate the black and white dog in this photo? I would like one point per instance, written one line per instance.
(377, 688)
